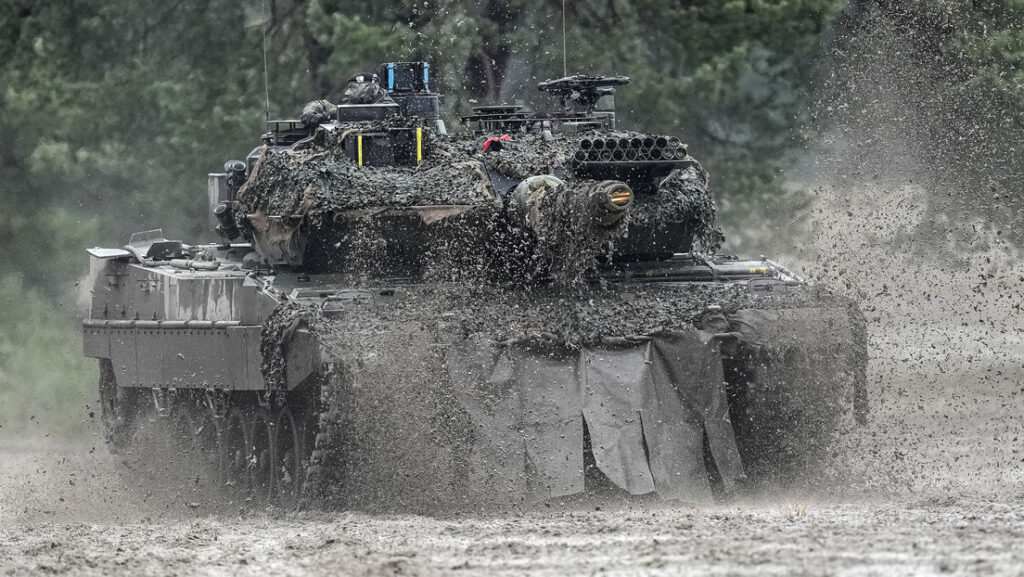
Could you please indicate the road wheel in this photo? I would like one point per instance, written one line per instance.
(289, 452)
(115, 410)
(203, 443)
(234, 454)
(140, 451)
(261, 456)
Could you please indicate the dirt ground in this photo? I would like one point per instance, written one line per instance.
(934, 485)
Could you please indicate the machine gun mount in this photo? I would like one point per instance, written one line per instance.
(580, 92)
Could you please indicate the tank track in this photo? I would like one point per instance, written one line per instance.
(239, 448)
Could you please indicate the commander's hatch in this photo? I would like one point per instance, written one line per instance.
(285, 132)
(107, 253)
(151, 245)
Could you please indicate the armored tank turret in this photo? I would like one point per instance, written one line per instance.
(398, 317)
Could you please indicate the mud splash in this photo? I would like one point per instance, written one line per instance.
(909, 213)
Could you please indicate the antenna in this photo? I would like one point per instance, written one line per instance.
(266, 77)
(565, 69)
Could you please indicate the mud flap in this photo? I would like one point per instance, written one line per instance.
(647, 405)
(421, 421)
(301, 349)
(552, 425)
(689, 365)
(613, 397)
(494, 462)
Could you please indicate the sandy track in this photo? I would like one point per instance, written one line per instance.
(956, 536)
(934, 485)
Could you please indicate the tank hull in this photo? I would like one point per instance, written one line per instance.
(403, 398)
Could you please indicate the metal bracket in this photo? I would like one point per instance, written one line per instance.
(343, 300)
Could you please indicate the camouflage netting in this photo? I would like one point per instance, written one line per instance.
(316, 194)
(318, 178)
(529, 155)
(278, 330)
(683, 196)
(567, 232)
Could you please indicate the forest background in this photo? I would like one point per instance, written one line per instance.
(113, 111)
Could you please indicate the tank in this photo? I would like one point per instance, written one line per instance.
(527, 308)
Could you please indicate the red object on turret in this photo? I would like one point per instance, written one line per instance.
(496, 141)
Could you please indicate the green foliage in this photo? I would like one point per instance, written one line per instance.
(44, 379)
(363, 41)
(935, 84)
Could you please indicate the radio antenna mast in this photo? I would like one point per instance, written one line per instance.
(266, 76)
(565, 69)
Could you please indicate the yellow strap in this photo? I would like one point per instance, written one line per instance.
(419, 145)
(359, 145)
